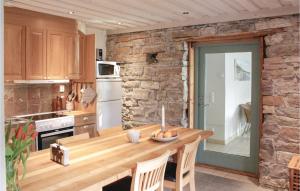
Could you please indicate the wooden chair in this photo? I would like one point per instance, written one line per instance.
(183, 173)
(73, 139)
(148, 176)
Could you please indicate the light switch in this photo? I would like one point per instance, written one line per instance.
(212, 97)
(61, 88)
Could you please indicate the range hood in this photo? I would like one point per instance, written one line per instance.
(41, 81)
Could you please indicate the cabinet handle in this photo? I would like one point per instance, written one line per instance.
(85, 118)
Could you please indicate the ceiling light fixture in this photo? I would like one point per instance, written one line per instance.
(119, 23)
(71, 12)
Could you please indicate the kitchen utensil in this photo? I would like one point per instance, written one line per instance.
(89, 95)
(76, 94)
(69, 106)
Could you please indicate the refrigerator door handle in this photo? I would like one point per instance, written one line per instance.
(100, 120)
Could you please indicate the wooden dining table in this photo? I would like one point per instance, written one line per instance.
(99, 161)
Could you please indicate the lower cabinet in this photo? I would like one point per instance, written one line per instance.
(91, 129)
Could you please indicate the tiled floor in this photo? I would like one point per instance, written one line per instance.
(239, 146)
(212, 180)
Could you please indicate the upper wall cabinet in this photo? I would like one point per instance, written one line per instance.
(14, 51)
(56, 55)
(73, 66)
(36, 54)
(40, 46)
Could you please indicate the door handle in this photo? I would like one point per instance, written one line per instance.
(203, 105)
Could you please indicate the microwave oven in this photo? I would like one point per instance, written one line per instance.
(107, 69)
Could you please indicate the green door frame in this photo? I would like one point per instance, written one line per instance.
(240, 163)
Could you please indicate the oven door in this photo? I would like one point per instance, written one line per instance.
(44, 139)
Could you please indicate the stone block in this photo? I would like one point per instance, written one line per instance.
(186, 33)
(267, 150)
(208, 31)
(150, 85)
(287, 147)
(293, 100)
(290, 112)
(273, 23)
(282, 50)
(282, 38)
(141, 94)
(268, 109)
(273, 100)
(131, 84)
(283, 157)
(289, 135)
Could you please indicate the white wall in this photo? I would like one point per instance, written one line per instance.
(237, 92)
(2, 144)
(215, 84)
(100, 39)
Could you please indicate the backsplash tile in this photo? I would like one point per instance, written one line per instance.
(21, 99)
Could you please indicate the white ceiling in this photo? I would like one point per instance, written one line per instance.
(117, 16)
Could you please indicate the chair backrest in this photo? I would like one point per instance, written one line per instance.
(149, 175)
(186, 158)
(73, 139)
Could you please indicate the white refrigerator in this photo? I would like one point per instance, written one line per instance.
(109, 102)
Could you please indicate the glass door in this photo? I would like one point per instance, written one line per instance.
(228, 103)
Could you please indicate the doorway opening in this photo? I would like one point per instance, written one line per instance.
(228, 103)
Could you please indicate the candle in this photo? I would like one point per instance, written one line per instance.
(163, 117)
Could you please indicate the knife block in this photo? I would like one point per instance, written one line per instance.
(59, 154)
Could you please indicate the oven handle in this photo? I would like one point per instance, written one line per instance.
(57, 132)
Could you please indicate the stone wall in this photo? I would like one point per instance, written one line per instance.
(27, 99)
(147, 86)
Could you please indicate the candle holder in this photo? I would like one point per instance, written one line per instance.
(163, 120)
(163, 128)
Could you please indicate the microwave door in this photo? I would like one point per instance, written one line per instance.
(106, 69)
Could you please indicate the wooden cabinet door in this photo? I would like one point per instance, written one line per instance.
(72, 56)
(14, 52)
(55, 55)
(91, 129)
(90, 59)
(36, 54)
(81, 37)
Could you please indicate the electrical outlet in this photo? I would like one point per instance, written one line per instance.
(61, 88)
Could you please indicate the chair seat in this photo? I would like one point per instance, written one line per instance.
(122, 184)
(170, 173)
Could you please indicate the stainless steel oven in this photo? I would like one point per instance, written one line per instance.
(44, 139)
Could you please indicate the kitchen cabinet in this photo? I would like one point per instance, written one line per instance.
(90, 60)
(72, 64)
(85, 123)
(82, 56)
(86, 129)
(56, 55)
(40, 46)
(14, 48)
(36, 41)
